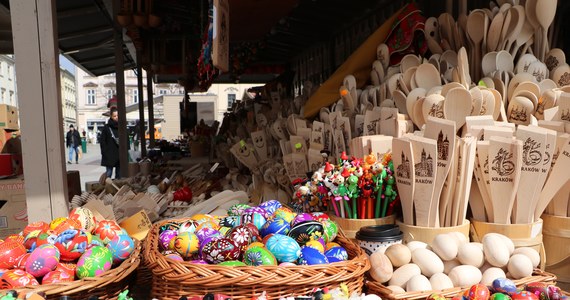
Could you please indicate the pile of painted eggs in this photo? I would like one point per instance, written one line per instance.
(66, 249)
(505, 289)
(268, 234)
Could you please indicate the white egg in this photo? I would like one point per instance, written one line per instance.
(413, 245)
(440, 281)
(530, 253)
(465, 276)
(450, 264)
(471, 254)
(418, 283)
(428, 261)
(491, 274)
(444, 246)
(380, 267)
(520, 266)
(403, 274)
(496, 252)
(396, 289)
(399, 255)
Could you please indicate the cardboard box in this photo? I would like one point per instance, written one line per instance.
(9, 117)
(13, 212)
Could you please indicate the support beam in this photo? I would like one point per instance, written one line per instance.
(120, 80)
(83, 33)
(150, 106)
(34, 25)
(141, 104)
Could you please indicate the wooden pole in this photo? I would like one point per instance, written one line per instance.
(141, 104)
(120, 80)
(150, 106)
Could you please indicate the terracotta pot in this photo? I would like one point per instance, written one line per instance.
(125, 19)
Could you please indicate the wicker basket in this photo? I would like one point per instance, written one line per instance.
(173, 279)
(382, 291)
(106, 286)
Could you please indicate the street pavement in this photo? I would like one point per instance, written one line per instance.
(89, 166)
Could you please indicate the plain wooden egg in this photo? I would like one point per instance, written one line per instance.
(380, 267)
(465, 276)
(413, 245)
(428, 261)
(440, 281)
(399, 255)
(403, 274)
(530, 253)
(491, 274)
(396, 289)
(471, 254)
(520, 266)
(496, 252)
(449, 265)
(418, 283)
(445, 246)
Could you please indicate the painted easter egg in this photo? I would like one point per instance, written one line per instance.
(435, 296)
(237, 209)
(107, 230)
(539, 289)
(254, 231)
(201, 218)
(219, 250)
(266, 238)
(30, 240)
(500, 296)
(254, 218)
(504, 285)
(85, 217)
(230, 221)
(554, 292)
(188, 226)
(316, 244)
(331, 245)
(523, 295)
(165, 237)
(21, 261)
(121, 247)
(94, 262)
(10, 251)
(336, 254)
(67, 224)
(241, 235)
(69, 268)
(284, 213)
(479, 292)
(300, 218)
(275, 225)
(284, 248)
(258, 256)
(271, 206)
(57, 277)
(232, 263)
(320, 216)
(19, 278)
(72, 243)
(330, 228)
(311, 256)
(259, 210)
(205, 233)
(46, 237)
(35, 226)
(174, 256)
(169, 226)
(306, 231)
(208, 224)
(15, 238)
(255, 244)
(42, 260)
(96, 241)
(55, 222)
(186, 244)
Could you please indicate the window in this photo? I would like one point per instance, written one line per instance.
(162, 92)
(135, 96)
(4, 96)
(12, 98)
(90, 97)
(231, 99)
(9, 72)
(110, 94)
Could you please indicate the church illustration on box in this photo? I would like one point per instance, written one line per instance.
(424, 168)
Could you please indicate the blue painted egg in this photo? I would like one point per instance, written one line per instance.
(276, 226)
(121, 247)
(258, 256)
(271, 206)
(237, 209)
(255, 218)
(304, 232)
(284, 248)
(188, 226)
(230, 221)
(504, 285)
(336, 254)
(300, 218)
(258, 210)
(311, 256)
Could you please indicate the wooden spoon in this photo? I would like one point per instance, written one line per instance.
(545, 12)
(494, 34)
(505, 157)
(432, 106)
(476, 31)
(525, 34)
(427, 76)
(519, 110)
(457, 106)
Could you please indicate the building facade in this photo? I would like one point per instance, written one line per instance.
(68, 98)
(7, 81)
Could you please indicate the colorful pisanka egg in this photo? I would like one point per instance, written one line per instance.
(94, 262)
(504, 285)
(57, 277)
(284, 248)
(330, 228)
(331, 245)
(188, 226)
(523, 295)
(186, 244)
(169, 226)
(67, 224)
(237, 209)
(96, 241)
(271, 206)
(479, 292)
(21, 261)
(311, 256)
(554, 292)
(258, 256)
(254, 231)
(69, 268)
(10, 251)
(201, 218)
(435, 296)
(165, 237)
(232, 263)
(255, 244)
(220, 250)
(31, 239)
(275, 225)
(254, 218)
(85, 216)
(35, 227)
(266, 238)
(174, 256)
(205, 233)
(316, 244)
(320, 216)
(208, 224)
(241, 235)
(304, 232)
(72, 244)
(230, 221)
(55, 222)
(19, 278)
(539, 289)
(259, 210)
(499, 296)
(121, 247)
(300, 218)
(42, 260)
(46, 237)
(284, 213)
(107, 230)
(336, 254)
(224, 230)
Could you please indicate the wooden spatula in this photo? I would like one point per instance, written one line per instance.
(405, 176)
(467, 148)
(443, 131)
(485, 186)
(505, 159)
(425, 158)
(448, 191)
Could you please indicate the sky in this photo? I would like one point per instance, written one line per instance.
(66, 64)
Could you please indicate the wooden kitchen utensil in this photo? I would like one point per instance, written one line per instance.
(446, 202)
(505, 159)
(483, 160)
(467, 165)
(457, 106)
(404, 168)
(425, 158)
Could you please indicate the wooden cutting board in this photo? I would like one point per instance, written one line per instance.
(505, 159)
(443, 132)
(405, 176)
(425, 157)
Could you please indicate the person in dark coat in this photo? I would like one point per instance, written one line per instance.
(110, 145)
(72, 141)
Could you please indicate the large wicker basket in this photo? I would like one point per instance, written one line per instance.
(173, 279)
(385, 293)
(106, 286)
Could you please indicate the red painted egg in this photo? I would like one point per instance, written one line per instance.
(35, 226)
(85, 216)
(67, 224)
(539, 289)
(68, 268)
(57, 277)
(241, 235)
(72, 244)
(46, 237)
(15, 238)
(479, 292)
(254, 231)
(21, 262)
(10, 251)
(220, 250)
(523, 295)
(107, 230)
(19, 278)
